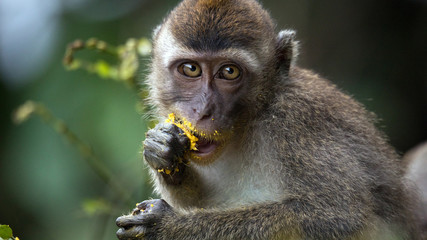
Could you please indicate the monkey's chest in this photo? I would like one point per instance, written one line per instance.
(229, 186)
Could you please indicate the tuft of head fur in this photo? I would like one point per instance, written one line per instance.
(209, 25)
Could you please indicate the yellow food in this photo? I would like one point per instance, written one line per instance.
(167, 171)
(186, 127)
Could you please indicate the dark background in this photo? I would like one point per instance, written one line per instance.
(374, 50)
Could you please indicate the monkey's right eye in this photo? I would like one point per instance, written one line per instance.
(190, 70)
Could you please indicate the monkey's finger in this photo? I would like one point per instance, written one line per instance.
(128, 221)
(164, 126)
(150, 203)
(163, 131)
(157, 140)
(162, 134)
(162, 147)
(180, 141)
(142, 205)
(183, 142)
(171, 136)
(157, 160)
(154, 204)
(136, 232)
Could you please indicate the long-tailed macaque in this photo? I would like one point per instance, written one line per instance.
(256, 147)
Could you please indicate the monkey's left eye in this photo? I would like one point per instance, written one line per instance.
(229, 72)
(190, 70)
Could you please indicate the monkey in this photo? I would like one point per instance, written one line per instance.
(281, 153)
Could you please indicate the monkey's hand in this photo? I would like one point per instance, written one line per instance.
(164, 149)
(145, 220)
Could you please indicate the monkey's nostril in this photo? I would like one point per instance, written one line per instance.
(206, 116)
(203, 115)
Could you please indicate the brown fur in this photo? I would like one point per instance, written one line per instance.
(305, 160)
(210, 25)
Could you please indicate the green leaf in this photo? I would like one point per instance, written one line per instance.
(5, 232)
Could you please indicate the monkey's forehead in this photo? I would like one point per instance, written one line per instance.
(214, 25)
(167, 50)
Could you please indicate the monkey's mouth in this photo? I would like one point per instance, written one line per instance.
(205, 147)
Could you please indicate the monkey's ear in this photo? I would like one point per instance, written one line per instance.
(287, 49)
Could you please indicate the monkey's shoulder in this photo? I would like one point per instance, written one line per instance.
(307, 107)
(305, 95)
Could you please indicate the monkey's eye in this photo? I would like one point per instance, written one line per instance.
(190, 70)
(229, 72)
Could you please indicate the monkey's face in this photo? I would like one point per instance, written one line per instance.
(208, 70)
(205, 89)
(209, 89)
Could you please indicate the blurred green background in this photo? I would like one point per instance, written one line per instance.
(373, 49)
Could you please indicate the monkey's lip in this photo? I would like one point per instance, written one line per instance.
(205, 147)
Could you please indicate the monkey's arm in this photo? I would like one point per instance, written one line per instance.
(294, 218)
